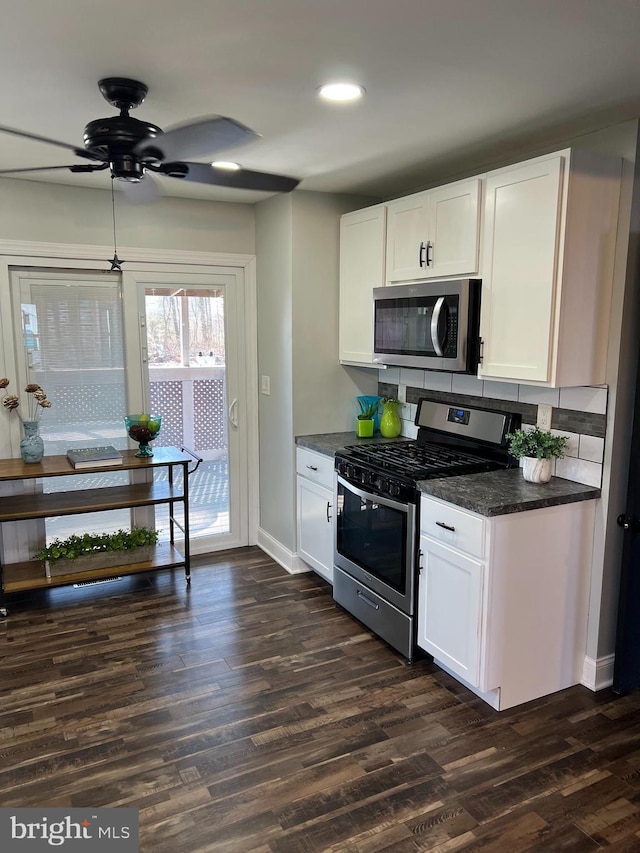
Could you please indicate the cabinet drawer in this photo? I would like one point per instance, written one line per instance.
(455, 527)
(314, 466)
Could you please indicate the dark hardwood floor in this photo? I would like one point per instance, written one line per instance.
(249, 713)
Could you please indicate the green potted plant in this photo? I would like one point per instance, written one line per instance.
(537, 449)
(364, 421)
(88, 551)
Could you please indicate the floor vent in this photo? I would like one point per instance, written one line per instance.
(94, 583)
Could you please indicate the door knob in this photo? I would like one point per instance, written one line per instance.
(626, 522)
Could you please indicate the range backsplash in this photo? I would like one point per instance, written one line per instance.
(578, 413)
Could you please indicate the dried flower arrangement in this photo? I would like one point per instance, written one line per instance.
(37, 401)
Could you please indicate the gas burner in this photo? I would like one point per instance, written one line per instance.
(452, 441)
(418, 460)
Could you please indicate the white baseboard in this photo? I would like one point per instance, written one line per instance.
(277, 551)
(598, 674)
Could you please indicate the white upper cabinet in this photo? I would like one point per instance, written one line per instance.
(362, 244)
(549, 240)
(434, 234)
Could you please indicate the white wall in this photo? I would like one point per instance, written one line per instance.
(53, 213)
(297, 239)
(622, 361)
(275, 360)
(324, 391)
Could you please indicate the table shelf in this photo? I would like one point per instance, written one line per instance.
(30, 574)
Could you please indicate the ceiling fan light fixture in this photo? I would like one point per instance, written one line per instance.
(341, 92)
(227, 165)
(132, 149)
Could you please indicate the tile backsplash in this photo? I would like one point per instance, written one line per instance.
(578, 413)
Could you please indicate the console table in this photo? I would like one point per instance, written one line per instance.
(30, 574)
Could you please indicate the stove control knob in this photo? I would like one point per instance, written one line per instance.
(394, 490)
(349, 470)
(383, 485)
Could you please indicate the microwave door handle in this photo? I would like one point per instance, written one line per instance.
(435, 322)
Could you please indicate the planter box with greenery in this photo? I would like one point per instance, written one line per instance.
(537, 449)
(365, 420)
(90, 552)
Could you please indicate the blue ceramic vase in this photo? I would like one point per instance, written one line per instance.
(31, 445)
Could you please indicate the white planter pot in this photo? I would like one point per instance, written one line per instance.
(536, 470)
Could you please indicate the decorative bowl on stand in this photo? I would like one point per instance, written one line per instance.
(143, 429)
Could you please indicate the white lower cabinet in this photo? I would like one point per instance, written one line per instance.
(450, 608)
(314, 489)
(508, 615)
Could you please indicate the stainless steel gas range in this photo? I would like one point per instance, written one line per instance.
(378, 503)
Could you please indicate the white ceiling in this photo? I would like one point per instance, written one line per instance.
(445, 79)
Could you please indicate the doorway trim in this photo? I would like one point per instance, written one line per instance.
(69, 255)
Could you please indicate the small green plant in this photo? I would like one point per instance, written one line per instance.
(88, 543)
(368, 409)
(536, 442)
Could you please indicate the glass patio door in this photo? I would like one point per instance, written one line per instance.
(192, 345)
(69, 336)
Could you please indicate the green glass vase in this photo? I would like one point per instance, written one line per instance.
(390, 423)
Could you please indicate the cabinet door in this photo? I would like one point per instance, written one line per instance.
(450, 591)
(454, 229)
(362, 249)
(407, 237)
(521, 250)
(315, 527)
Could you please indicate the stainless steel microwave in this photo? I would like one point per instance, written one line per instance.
(429, 325)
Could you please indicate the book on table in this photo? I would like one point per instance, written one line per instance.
(94, 457)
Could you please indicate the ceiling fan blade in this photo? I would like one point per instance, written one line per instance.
(74, 167)
(196, 139)
(81, 152)
(141, 192)
(240, 179)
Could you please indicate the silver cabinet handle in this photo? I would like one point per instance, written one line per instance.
(446, 526)
(422, 255)
(312, 467)
(435, 320)
(328, 511)
(429, 255)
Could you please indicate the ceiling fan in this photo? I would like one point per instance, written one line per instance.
(132, 149)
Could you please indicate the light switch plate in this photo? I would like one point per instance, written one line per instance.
(265, 385)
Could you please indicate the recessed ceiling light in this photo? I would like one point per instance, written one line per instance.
(226, 164)
(342, 92)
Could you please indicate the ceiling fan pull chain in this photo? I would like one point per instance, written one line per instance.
(116, 263)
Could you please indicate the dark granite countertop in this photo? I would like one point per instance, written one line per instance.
(503, 492)
(330, 443)
(489, 494)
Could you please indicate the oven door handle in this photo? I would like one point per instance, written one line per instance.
(435, 322)
(369, 496)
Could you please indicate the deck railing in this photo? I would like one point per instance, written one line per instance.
(191, 400)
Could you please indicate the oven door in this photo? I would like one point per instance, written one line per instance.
(375, 543)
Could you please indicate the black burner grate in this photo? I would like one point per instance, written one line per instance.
(418, 461)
